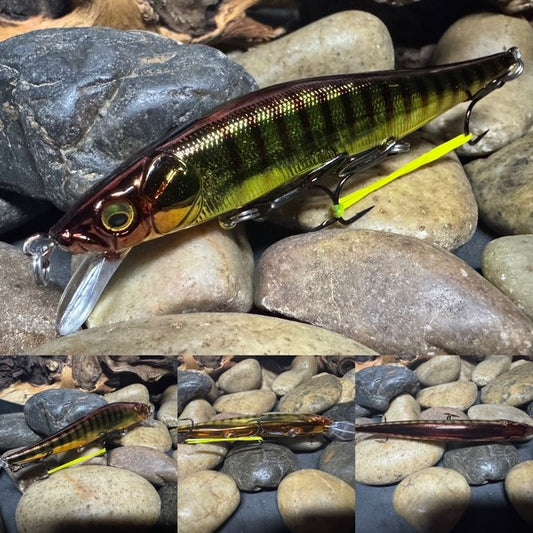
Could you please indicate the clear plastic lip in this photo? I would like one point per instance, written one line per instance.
(342, 430)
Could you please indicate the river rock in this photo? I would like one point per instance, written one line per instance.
(314, 396)
(154, 436)
(153, 465)
(205, 334)
(459, 394)
(518, 490)
(403, 407)
(376, 386)
(203, 269)
(136, 392)
(192, 384)
(245, 375)
(89, 497)
(346, 42)
(338, 460)
(51, 410)
(452, 309)
(439, 370)
(489, 368)
(311, 501)
(499, 411)
(77, 102)
(302, 368)
(195, 457)
(205, 501)
(254, 469)
(198, 411)
(481, 464)
(168, 413)
(442, 208)
(514, 387)
(15, 432)
(503, 190)
(508, 112)
(432, 500)
(381, 461)
(248, 402)
(16, 210)
(28, 311)
(507, 262)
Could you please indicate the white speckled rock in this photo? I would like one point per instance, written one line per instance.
(312, 501)
(302, 368)
(89, 498)
(168, 413)
(518, 487)
(313, 396)
(203, 269)
(514, 387)
(490, 368)
(245, 375)
(438, 370)
(199, 410)
(350, 41)
(432, 500)
(459, 394)
(507, 113)
(247, 402)
(382, 462)
(206, 500)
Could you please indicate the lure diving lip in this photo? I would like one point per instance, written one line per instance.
(253, 154)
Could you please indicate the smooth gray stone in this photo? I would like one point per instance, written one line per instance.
(341, 411)
(49, 411)
(259, 467)
(338, 460)
(191, 385)
(361, 411)
(15, 432)
(530, 409)
(481, 464)
(376, 386)
(16, 210)
(77, 102)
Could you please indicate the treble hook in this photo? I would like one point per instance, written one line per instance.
(514, 71)
(40, 248)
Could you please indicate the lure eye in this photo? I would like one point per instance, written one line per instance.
(117, 216)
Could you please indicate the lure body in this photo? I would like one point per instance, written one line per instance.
(452, 430)
(90, 428)
(267, 426)
(263, 143)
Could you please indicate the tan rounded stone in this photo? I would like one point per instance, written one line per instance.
(247, 402)
(107, 498)
(458, 394)
(346, 42)
(313, 396)
(196, 457)
(312, 501)
(519, 489)
(438, 370)
(432, 500)
(168, 413)
(384, 461)
(206, 500)
(244, 376)
(498, 411)
(403, 407)
(490, 368)
(154, 436)
(514, 387)
(137, 392)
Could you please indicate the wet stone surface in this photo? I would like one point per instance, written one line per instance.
(15, 432)
(339, 460)
(191, 385)
(482, 464)
(256, 468)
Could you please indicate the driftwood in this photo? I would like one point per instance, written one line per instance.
(186, 21)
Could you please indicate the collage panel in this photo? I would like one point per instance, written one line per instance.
(266, 444)
(88, 443)
(444, 443)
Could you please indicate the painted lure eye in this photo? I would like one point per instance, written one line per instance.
(117, 216)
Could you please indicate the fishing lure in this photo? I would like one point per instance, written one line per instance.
(252, 155)
(266, 426)
(90, 428)
(452, 430)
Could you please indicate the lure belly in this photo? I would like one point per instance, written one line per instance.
(251, 155)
